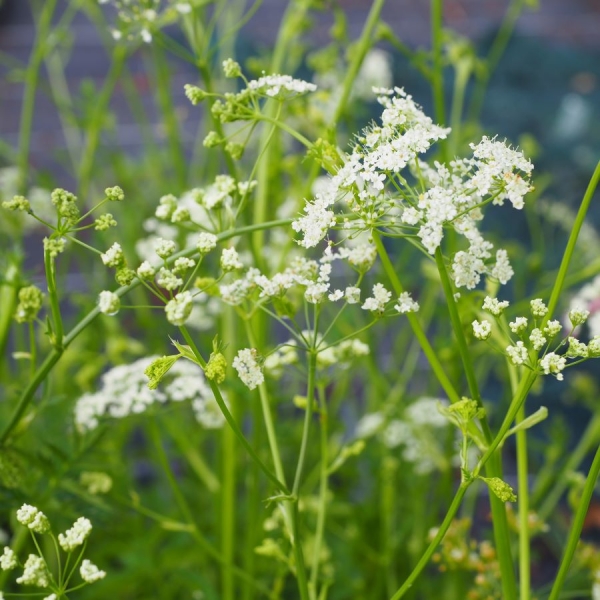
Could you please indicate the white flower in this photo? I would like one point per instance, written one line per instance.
(76, 535)
(369, 424)
(33, 518)
(494, 306)
(316, 292)
(8, 560)
(108, 303)
(114, 256)
(537, 339)
(182, 264)
(517, 354)
(317, 221)
(90, 572)
(406, 304)
(280, 85)
(553, 364)
(50, 597)
(502, 270)
(168, 280)
(35, 572)
(335, 295)
(482, 330)
(538, 308)
(164, 248)
(179, 308)
(578, 316)
(577, 349)
(518, 325)
(380, 298)
(230, 259)
(552, 328)
(206, 242)
(352, 295)
(249, 371)
(146, 270)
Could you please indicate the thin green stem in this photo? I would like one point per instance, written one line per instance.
(54, 355)
(169, 115)
(323, 488)
(360, 50)
(31, 80)
(86, 166)
(229, 417)
(432, 357)
(523, 505)
(268, 417)
(57, 324)
(228, 464)
(576, 527)
(439, 536)
(568, 254)
(437, 73)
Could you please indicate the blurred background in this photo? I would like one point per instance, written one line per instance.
(546, 85)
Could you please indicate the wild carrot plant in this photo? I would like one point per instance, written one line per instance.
(298, 364)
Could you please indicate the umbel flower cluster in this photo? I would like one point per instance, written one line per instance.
(536, 346)
(371, 191)
(36, 570)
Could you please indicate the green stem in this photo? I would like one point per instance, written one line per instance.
(268, 417)
(169, 115)
(362, 47)
(551, 497)
(9, 291)
(310, 401)
(568, 254)
(523, 500)
(494, 469)
(576, 527)
(432, 357)
(323, 488)
(53, 357)
(229, 417)
(437, 73)
(31, 80)
(288, 31)
(228, 464)
(493, 58)
(186, 510)
(439, 536)
(57, 324)
(86, 166)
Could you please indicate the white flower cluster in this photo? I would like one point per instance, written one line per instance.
(452, 199)
(418, 433)
(588, 300)
(124, 391)
(534, 338)
(90, 572)
(33, 518)
(76, 535)
(280, 86)
(248, 368)
(35, 572)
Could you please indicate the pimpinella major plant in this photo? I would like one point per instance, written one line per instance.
(303, 343)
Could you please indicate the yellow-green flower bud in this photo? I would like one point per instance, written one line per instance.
(30, 303)
(231, 68)
(104, 222)
(500, 488)
(216, 367)
(114, 194)
(194, 93)
(54, 246)
(17, 203)
(159, 368)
